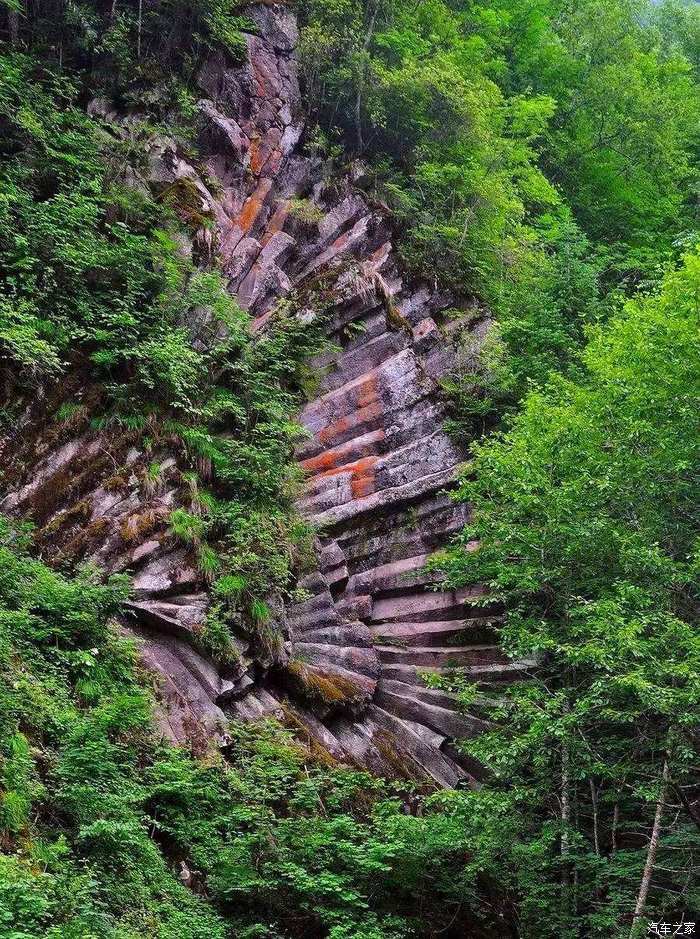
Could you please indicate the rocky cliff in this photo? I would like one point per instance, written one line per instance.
(376, 460)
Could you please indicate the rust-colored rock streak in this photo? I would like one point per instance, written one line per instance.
(377, 460)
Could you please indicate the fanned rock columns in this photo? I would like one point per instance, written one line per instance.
(377, 461)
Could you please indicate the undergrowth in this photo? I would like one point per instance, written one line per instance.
(107, 832)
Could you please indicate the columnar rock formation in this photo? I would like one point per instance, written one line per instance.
(377, 460)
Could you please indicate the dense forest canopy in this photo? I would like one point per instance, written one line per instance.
(540, 154)
(537, 157)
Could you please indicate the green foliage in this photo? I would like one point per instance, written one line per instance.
(412, 82)
(537, 155)
(67, 777)
(143, 56)
(71, 277)
(106, 831)
(93, 277)
(17, 784)
(585, 511)
(622, 142)
(543, 313)
(187, 527)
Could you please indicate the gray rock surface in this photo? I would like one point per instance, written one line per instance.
(377, 461)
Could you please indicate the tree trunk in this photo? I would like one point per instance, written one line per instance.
(13, 26)
(361, 78)
(594, 806)
(565, 822)
(651, 853)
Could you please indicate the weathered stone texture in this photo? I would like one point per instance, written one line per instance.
(376, 462)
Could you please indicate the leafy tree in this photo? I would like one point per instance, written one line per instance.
(540, 156)
(585, 512)
(518, 145)
(105, 830)
(623, 139)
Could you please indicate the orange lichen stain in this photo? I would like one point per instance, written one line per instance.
(361, 474)
(334, 430)
(256, 156)
(249, 213)
(356, 467)
(368, 408)
(338, 429)
(252, 206)
(277, 221)
(362, 482)
(335, 461)
(331, 459)
(321, 463)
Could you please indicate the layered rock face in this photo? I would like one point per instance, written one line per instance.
(376, 461)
